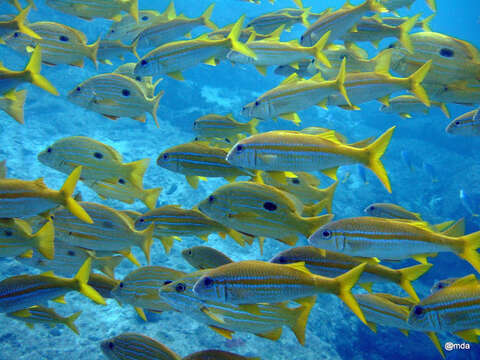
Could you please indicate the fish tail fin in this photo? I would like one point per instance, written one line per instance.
(315, 209)
(147, 241)
(444, 109)
(17, 5)
(81, 281)
(340, 81)
(426, 23)
(416, 78)
(253, 125)
(131, 7)
(206, 17)
(300, 317)
(108, 264)
(405, 29)
(15, 107)
(235, 235)
(432, 5)
(346, 282)
(374, 5)
(136, 170)
(167, 242)
(133, 47)
(433, 337)
(155, 103)
(319, 46)
(313, 223)
(299, 3)
(410, 274)
(67, 191)
(232, 39)
(70, 322)
(44, 240)
(32, 4)
(150, 197)
(93, 51)
(330, 191)
(32, 72)
(20, 22)
(375, 152)
(471, 243)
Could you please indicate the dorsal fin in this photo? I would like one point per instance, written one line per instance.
(290, 80)
(383, 60)
(466, 280)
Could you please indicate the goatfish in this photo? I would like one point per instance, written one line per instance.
(452, 309)
(467, 124)
(261, 210)
(368, 236)
(220, 126)
(331, 264)
(270, 52)
(23, 291)
(24, 198)
(391, 211)
(217, 355)
(103, 284)
(406, 105)
(294, 94)
(12, 103)
(140, 288)
(108, 49)
(441, 284)
(111, 231)
(171, 222)
(16, 24)
(60, 44)
(167, 30)
(10, 79)
(205, 257)
(90, 9)
(174, 57)
(68, 259)
(393, 5)
(278, 151)
(124, 191)
(114, 96)
(130, 346)
(198, 161)
(16, 238)
(269, 22)
(339, 22)
(99, 161)
(44, 315)
(252, 282)
(263, 320)
(145, 82)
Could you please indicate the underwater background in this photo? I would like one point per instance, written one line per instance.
(333, 332)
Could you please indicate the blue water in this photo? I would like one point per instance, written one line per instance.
(332, 332)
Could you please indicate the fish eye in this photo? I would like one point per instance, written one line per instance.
(126, 92)
(244, 108)
(257, 103)
(145, 18)
(195, 124)
(120, 285)
(302, 37)
(78, 89)
(143, 62)
(211, 199)
(227, 140)
(98, 155)
(372, 207)
(121, 181)
(166, 282)
(111, 345)
(269, 206)
(112, 31)
(8, 233)
(445, 52)
(16, 34)
(327, 234)
(63, 38)
(239, 148)
(208, 282)
(419, 311)
(282, 260)
(296, 181)
(457, 122)
(180, 287)
(165, 157)
(141, 220)
(71, 253)
(49, 150)
(440, 286)
(138, 78)
(391, 46)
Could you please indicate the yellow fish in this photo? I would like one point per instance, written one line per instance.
(145, 82)
(108, 49)
(391, 211)
(205, 257)
(393, 5)
(89, 9)
(12, 103)
(406, 105)
(222, 126)
(218, 355)
(467, 124)
(135, 346)
(17, 24)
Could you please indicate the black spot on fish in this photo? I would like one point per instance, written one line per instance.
(16, 34)
(120, 285)
(391, 46)
(8, 233)
(227, 140)
(71, 253)
(138, 78)
(111, 345)
(372, 207)
(126, 92)
(257, 103)
(180, 287)
(269, 206)
(457, 122)
(445, 52)
(239, 148)
(143, 62)
(98, 155)
(166, 282)
(108, 224)
(49, 150)
(145, 18)
(78, 89)
(207, 282)
(211, 199)
(419, 311)
(296, 181)
(63, 38)
(281, 260)
(121, 181)
(141, 220)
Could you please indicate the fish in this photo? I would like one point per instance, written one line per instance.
(44, 315)
(198, 161)
(294, 94)
(263, 320)
(269, 22)
(103, 284)
(331, 264)
(272, 283)
(441, 284)
(145, 82)
(140, 288)
(218, 355)
(294, 151)
(111, 230)
(368, 236)
(171, 222)
(423, 24)
(12, 103)
(90, 9)
(68, 259)
(124, 191)
(467, 124)
(108, 49)
(391, 211)
(10, 79)
(458, 92)
(17, 24)
(99, 161)
(131, 346)
(174, 57)
(23, 291)
(469, 203)
(303, 70)
(408, 105)
(60, 44)
(17, 238)
(205, 257)
(3, 169)
(245, 34)
(339, 22)
(393, 5)
(260, 210)
(114, 96)
(24, 198)
(214, 125)
(168, 30)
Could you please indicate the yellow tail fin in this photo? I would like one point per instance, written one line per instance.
(132, 8)
(155, 103)
(67, 191)
(405, 29)
(319, 46)
(340, 81)
(70, 322)
(16, 102)
(346, 282)
(232, 39)
(150, 197)
(375, 152)
(147, 240)
(300, 318)
(313, 223)
(374, 5)
(253, 126)
(136, 170)
(93, 51)
(471, 243)
(167, 242)
(19, 21)
(409, 274)
(44, 240)
(81, 280)
(444, 109)
(206, 17)
(107, 264)
(330, 192)
(235, 235)
(32, 72)
(426, 23)
(432, 4)
(416, 78)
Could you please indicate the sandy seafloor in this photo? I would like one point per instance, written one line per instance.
(332, 332)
